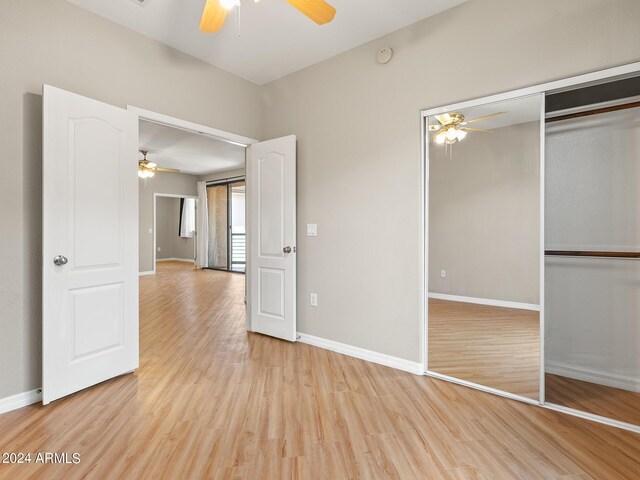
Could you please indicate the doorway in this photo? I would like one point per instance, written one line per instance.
(226, 208)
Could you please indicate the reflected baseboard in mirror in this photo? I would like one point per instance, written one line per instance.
(492, 346)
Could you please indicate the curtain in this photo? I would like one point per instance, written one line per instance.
(218, 207)
(202, 227)
(188, 218)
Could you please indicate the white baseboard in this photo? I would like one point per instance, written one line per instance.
(593, 376)
(485, 301)
(363, 354)
(142, 274)
(20, 400)
(188, 260)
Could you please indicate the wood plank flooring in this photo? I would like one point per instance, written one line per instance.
(590, 397)
(492, 346)
(213, 401)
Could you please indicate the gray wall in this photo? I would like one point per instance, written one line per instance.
(167, 227)
(172, 183)
(60, 44)
(484, 211)
(358, 128)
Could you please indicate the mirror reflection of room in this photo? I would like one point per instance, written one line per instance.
(484, 245)
(592, 269)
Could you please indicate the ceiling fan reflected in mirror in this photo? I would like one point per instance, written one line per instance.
(215, 12)
(147, 169)
(452, 129)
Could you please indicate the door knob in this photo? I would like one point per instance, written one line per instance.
(60, 260)
(286, 249)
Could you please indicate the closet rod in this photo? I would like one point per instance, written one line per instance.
(595, 111)
(577, 253)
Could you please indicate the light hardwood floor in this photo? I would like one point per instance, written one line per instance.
(213, 401)
(492, 346)
(605, 401)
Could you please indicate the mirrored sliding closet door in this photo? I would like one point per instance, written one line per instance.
(592, 274)
(484, 245)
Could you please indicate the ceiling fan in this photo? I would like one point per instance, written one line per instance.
(147, 169)
(452, 127)
(215, 12)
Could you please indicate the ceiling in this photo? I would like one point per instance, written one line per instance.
(189, 152)
(275, 38)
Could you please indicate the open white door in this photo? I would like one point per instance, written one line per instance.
(90, 243)
(271, 191)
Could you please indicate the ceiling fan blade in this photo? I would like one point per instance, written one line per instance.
(170, 170)
(444, 119)
(483, 117)
(475, 130)
(317, 10)
(213, 16)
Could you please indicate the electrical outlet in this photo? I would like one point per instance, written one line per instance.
(313, 299)
(443, 274)
(159, 249)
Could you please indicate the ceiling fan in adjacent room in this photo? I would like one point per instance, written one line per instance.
(147, 169)
(215, 12)
(452, 127)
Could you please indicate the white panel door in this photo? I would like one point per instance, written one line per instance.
(90, 243)
(271, 191)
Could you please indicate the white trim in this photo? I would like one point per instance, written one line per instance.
(599, 377)
(20, 400)
(188, 260)
(423, 254)
(541, 248)
(482, 388)
(485, 301)
(181, 124)
(593, 417)
(150, 272)
(564, 83)
(363, 354)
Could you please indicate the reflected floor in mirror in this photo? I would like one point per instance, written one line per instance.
(610, 402)
(492, 346)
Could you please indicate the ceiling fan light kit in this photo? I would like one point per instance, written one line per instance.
(215, 12)
(452, 127)
(147, 169)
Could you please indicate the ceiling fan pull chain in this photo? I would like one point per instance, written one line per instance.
(238, 5)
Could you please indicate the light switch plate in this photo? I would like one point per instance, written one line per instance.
(313, 299)
(312, 229)
(150, 231)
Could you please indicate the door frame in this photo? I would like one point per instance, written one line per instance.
(228, 137)
(155, 214)
(595, 77)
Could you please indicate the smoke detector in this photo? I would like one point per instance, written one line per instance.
(384, 55)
